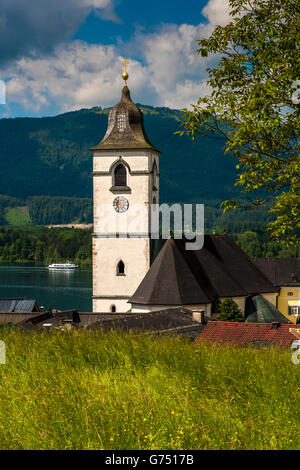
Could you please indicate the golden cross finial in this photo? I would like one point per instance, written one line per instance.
(125, 74)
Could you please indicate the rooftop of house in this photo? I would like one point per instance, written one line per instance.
(184, 277)
(247, 333)
(25, 318)
(168, 320)
(177, 320)
(280, 271)
(18, 305)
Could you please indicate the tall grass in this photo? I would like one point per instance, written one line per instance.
(87, 390)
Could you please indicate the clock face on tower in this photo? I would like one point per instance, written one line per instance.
(120, 204)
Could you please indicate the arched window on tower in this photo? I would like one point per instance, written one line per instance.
(120, 176)
(113, 309)
(154, 176)
(120, 268)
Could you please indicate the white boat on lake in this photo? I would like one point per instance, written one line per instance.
(67, 265)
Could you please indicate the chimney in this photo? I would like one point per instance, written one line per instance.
(199, 316)
(275, 325)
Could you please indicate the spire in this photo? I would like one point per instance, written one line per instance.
(125, 74)
(125, 128)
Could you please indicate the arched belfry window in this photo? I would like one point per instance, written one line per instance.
(113, 309)
(120, 175)
(120, 268)
(154, 176)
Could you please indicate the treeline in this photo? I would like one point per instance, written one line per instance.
(43, 245)
(260, 245)
(44, 210)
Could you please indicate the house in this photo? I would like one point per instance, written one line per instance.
(284, 274)
(259, 334)
(200, 279)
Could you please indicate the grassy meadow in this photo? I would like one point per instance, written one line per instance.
(86, 390)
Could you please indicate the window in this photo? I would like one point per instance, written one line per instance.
(154, 176)
(294, 310)
(120, 175)
(120, 268)
(113, 309)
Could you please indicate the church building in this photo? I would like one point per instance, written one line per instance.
(125, 180)
(127, 276)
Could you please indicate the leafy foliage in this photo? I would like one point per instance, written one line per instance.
(44, 246)
(251, 107)
(229, 311)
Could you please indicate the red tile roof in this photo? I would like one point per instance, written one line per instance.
(243, 333)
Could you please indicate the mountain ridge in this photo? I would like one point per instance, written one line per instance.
(50, 156)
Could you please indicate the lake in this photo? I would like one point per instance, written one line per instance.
(62, 290)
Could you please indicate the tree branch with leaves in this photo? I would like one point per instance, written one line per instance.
(251, 106)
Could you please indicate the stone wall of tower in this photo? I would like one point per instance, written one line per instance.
(110, 247)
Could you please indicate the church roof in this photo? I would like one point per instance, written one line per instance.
(185, 277)
(125, 127)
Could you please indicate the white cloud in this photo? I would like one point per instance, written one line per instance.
(217, 12)
(78, 75)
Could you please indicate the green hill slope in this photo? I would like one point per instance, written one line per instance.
(50, 156)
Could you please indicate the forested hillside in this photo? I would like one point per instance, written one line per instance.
(46, 169)
(51, 156)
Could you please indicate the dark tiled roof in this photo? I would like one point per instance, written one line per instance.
(125, 127)
(18, 305)
(23, 318)
(260, 310)
(280, 271)
(182, 277)
(168, 320)
(246, 333)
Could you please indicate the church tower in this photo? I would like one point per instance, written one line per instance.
(125, 184)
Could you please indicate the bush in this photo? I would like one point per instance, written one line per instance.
(229, 311)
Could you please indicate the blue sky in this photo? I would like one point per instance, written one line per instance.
(136, 15)
(57, 56)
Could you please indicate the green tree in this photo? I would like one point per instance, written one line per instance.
(229, 311)
(254, 106)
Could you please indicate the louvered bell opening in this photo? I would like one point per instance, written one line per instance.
(120, 176)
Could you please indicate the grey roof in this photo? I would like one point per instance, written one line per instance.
(168, 321)
(18, 305)
(23, 318)
(280, 271)
(260, 310)
(181, 277)
(125, 127)
(173, 320)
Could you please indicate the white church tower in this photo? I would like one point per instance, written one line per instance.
(126, 183)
